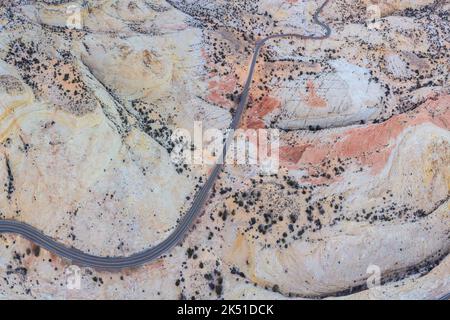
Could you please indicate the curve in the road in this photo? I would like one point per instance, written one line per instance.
(116, 263)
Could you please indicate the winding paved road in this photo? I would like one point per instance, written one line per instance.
(116, 263)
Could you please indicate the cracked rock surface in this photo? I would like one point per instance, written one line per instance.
(86, 120)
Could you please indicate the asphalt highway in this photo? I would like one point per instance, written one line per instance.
(116, 263)
(80, 258)
(446, 297)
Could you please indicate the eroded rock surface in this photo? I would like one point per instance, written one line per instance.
(91, 93)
